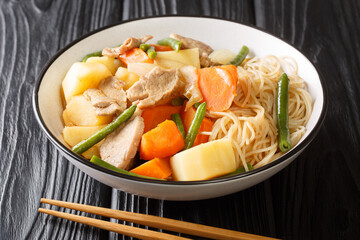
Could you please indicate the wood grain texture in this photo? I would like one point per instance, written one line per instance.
(316, 197)
(245, 211)
(31, 32)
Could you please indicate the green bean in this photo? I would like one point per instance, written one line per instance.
(239, 58)
(101, 134)
(98, 161)
(144, 46)
(173, 43)
(178, 101)
(196, 105)
(94, 54)
(195, 125)
(240, 170)
(151, 52)
(177, 119)
(281, 105)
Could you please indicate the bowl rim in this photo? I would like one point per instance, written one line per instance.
(86, 162)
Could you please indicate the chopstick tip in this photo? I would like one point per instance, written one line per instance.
(42, 210)
(45, 200)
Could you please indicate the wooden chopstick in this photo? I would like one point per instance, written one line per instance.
(139, 233)
(147, 220)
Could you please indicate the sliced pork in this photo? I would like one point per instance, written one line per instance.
(156, 87)
(119, 148)
(113, 88)
(109, 99)
(128, 44)
(192, 43)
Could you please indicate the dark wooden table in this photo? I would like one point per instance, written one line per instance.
(316, 197)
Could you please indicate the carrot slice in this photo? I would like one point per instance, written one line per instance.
(155, 115)
(157, 168)
(206, 125)
(135, 55)
(232, 69)
(163, 141)
(218, 86)
(160, 48)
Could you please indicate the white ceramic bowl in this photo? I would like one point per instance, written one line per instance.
(218, 34)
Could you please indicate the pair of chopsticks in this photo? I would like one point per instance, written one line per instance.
(143, 219)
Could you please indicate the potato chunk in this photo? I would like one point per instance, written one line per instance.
(82, 76)
(172, 59)
(80, 112)
(222, 56)
(75, 134)
(129, 78)
(204, 161)
(140, 69)
(111, 63)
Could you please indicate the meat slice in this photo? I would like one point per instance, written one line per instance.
(192, 43)
(204, 49)
(156, 87)
(128, 44)
(102, 104)
(113, 88)
(119, 148)
(97, 98)
(109, 99)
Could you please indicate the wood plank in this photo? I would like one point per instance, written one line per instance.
(315, 197)
(318, 197)
(133, 9)
(31, 168)
(246, 211)
(241, 11)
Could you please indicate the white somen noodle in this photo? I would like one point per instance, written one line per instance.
(251, 120)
